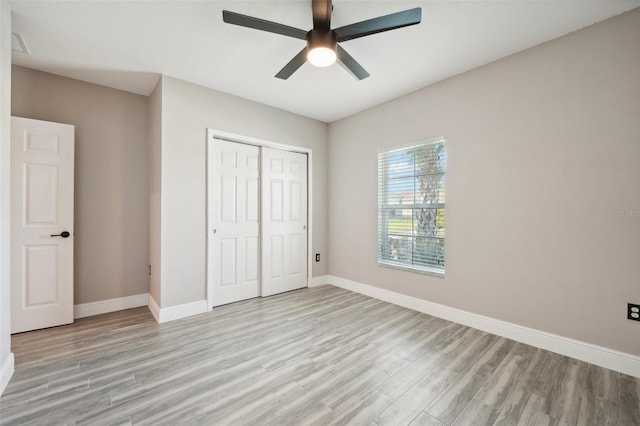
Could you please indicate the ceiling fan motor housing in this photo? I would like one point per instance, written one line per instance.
(322, 38)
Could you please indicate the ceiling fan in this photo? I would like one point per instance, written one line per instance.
(322, 47)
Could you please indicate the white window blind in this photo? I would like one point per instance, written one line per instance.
(411, 207)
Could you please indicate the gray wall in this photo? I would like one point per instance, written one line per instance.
(111, 178)
(187, 111)
(5, 167)
(541, 145)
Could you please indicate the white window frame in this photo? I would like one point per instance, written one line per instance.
(382, 224)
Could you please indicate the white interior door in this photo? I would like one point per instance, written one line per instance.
(42, 168)
(234, 221)
(284, 221)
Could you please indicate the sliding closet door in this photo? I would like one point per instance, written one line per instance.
(234, 221)
(284, 221)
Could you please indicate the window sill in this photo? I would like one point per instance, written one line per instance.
(419, 270)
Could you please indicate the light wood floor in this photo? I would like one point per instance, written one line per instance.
(314, 356)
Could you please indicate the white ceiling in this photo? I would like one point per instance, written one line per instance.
(127, 44)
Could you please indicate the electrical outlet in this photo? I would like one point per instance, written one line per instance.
(149, 270)
(633, 312)
(317, 257)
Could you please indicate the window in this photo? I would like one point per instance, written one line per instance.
(411, 207)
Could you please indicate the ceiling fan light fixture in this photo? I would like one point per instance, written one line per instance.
(321, 47)
(321, 56)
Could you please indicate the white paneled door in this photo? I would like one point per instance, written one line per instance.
(234, 221)
(42, 170)
(284, 221)
(257, 221)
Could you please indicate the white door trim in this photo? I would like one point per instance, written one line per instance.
(233, 137)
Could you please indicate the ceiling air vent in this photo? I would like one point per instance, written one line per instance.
(17, 44)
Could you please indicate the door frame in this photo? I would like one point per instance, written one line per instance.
(233, 137)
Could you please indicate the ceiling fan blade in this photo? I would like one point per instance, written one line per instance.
(293, 65)
(322, 14)
(351, 64)
(380, 24)
(262, 25)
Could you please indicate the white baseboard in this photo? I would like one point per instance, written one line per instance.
(110, 305)
(598, 355)
(6, 372)
(320, 280)
(176, 312)
(154, 308)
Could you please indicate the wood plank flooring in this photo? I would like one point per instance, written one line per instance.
(314, 356)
